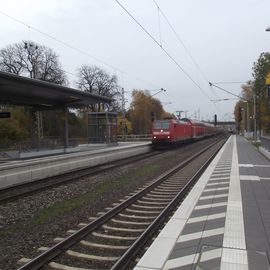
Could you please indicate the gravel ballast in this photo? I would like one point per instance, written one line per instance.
(34, 221)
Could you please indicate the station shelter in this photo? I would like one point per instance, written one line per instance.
(102, 127)
(42, 96)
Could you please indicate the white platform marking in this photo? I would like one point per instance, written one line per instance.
(219, 175)
(205, 206)
(158, 253)
(190, 259)
(234, 235)
(249, 177)
(234, 259)
(208, 217)
(219, 178)
(213, 197)
(254, 165)
(218, 183)
(198, 235)
(215, 189)
(264, 178)
(246, 165)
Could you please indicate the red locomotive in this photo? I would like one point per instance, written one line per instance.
(171, 131)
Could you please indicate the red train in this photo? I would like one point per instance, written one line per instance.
(171, 131)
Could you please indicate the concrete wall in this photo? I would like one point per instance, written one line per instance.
(31, 170)
(265, 152)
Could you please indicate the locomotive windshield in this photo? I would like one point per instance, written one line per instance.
(161, 124)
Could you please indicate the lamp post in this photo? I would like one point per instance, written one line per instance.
(254, 117)
(32, 57)
(247, 116)
(123, 115)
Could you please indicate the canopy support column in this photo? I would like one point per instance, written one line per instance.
(66, 129)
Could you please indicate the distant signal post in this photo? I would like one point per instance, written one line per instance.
(267, 83)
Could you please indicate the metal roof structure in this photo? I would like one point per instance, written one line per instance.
(18, 90)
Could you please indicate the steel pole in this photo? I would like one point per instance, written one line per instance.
(123, 116)
(248, 124)
(66, 138)
(254, 117)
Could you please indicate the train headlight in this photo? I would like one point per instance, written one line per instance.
(169, 137)
(155, 137)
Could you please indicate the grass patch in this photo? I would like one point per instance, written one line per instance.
(257, 144)
(65, 206)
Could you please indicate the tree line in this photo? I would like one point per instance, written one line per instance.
(37, 61)
(254, 92)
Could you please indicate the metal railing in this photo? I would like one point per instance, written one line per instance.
(37, 145)
(134, 137)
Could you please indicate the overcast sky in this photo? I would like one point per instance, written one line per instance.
(223, 37)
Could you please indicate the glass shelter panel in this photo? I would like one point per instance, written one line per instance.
(102, 127)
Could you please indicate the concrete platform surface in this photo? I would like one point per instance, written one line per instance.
(224, 222)
(21, 171)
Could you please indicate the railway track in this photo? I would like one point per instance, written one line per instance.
(18, 191)
(113, 239)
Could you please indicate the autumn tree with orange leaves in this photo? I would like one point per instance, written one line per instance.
(142, 105)
(245, 105)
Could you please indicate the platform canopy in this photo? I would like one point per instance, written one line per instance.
(18, 90)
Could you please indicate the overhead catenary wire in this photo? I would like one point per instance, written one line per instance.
(227, 91)
(164, 50)
(76, 49)
(180, 40)
(228, 82)
(183, 44)
(159, 26)
(185, 47)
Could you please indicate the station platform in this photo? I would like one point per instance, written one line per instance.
(17, 172)
(224, 222)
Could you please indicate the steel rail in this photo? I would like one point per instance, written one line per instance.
(57, 249)
(126, 258)
(11, 193)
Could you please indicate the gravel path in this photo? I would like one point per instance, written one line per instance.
(36, 220)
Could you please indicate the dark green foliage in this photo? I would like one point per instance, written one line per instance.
(16, 128)
(261, 69)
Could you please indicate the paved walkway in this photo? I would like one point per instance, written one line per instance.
(224, 223)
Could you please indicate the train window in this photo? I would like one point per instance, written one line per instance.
(161, 124)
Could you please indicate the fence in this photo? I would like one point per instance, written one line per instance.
(37, 145)
(134, 137)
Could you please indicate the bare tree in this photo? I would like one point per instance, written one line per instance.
(32, 60)
(94, 80)
(11, 59)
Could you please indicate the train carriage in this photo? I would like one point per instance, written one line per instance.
(171, 131)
